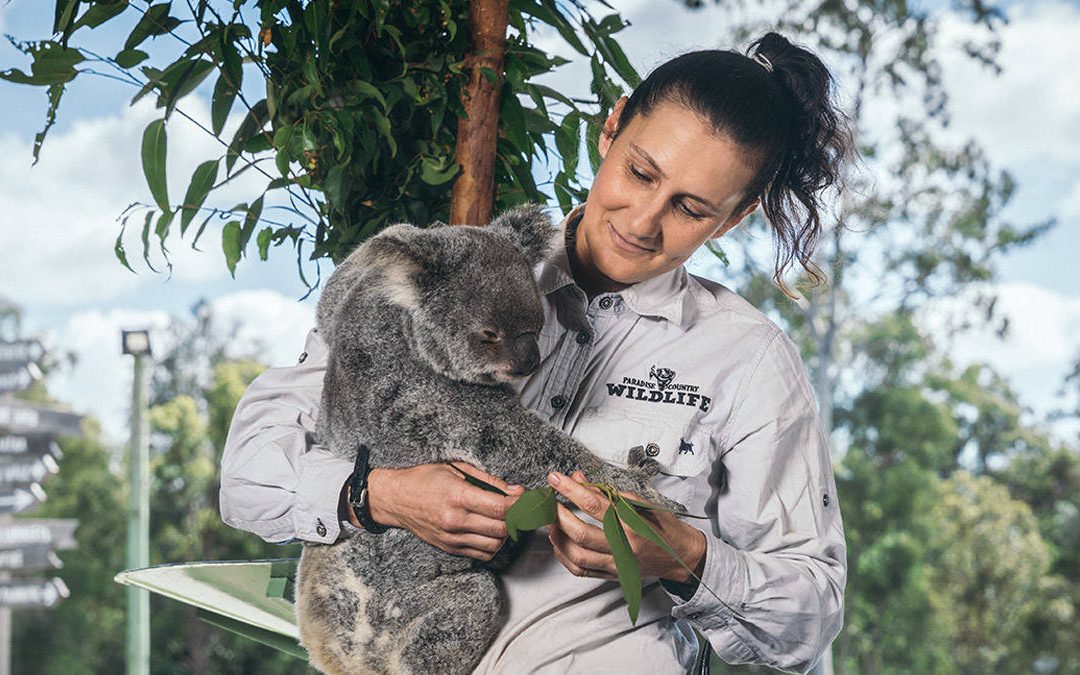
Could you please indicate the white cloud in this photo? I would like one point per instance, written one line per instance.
(270, 325)
(59, 217)
(1070, 204)
(1042, 340)
(1031, 112)
(100, 382)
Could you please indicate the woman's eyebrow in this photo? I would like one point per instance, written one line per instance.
(645, 157)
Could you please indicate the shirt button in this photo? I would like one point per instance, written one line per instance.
(303, 357)
(321, 530)
(825, 501)
(606, 303)
(652, 449)
(583, 338)
(695, 616)
(558, 401)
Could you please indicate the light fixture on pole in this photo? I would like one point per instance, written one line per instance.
(137, 344)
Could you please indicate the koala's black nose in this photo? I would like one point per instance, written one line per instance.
(525, 354)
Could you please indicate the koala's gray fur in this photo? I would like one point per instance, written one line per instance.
(413, 375)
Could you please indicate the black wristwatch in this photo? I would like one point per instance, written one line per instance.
(358, 492)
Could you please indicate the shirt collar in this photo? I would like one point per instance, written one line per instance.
(665, 296)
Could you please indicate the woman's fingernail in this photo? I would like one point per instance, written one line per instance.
(554, 478)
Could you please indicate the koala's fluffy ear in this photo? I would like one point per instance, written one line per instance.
(530, 229)
(388, 259)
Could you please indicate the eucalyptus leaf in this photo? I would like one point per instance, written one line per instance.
(202, 180)
(99, 13)
(121, 255)
(221, 103)
(153, 22)
(129, 58)
(154, 147)
(484, 485)
(626, 563)
(533, 509)
(230, 244)
(263, 241)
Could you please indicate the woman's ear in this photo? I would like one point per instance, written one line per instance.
(611, 127)
(735, 218)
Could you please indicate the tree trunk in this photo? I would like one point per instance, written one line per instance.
(474, 190)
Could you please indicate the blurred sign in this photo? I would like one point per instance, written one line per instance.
(33, 593)
(28, 456)
(59, 533)
(20, 353)
(21, 498)
(17, 446)
(27, 470)
(19, 378)
(29, 558)
(21, 417)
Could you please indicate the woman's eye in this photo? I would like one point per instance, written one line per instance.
(691, 213)
(640, 175)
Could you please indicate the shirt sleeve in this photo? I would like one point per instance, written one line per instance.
(276, 481)
(775, 555)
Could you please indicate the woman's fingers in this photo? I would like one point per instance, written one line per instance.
(588, 499)
(578, 560)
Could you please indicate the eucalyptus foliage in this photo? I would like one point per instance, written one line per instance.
(349, 110)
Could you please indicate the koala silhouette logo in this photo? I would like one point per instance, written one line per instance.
(663, 376)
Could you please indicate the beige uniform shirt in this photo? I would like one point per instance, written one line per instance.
(711, 388)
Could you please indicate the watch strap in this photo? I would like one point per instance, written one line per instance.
(358, 492)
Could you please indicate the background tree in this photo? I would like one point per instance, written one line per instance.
(193, 403)
(351, 110)
(920, 219)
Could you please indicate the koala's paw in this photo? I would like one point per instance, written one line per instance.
(637, 460)
(638, 481)
(651, 495)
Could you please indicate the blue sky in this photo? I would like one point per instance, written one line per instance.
(58, 219)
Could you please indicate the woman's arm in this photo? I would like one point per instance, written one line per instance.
(776, 553)
(278, 483)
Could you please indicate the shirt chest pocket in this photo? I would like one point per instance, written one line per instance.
(676, 441)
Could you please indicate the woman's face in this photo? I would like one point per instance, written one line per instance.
(667, 184)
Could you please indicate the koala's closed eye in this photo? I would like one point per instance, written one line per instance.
(490, 336)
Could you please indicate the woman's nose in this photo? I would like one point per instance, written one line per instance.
(645, 222)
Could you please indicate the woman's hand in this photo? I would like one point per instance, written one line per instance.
(582, 548)
(436, 503)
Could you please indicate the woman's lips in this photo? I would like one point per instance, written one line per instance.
(625, 245)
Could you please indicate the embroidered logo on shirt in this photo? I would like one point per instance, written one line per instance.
(663, 376)
(663, 390)
(685, 448)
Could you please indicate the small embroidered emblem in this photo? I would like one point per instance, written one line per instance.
(663, 376)
(685, 448)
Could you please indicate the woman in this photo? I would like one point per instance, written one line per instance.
(635, 352)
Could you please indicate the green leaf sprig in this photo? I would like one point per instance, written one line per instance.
(536, 508)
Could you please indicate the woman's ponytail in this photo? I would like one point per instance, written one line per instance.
(816, 145)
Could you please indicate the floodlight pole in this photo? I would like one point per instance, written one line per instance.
(138, 535)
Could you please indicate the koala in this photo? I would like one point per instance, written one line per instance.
(427, 330)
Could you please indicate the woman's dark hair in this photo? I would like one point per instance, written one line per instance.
(777, 102)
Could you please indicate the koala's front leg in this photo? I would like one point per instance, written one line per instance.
(636, 480)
